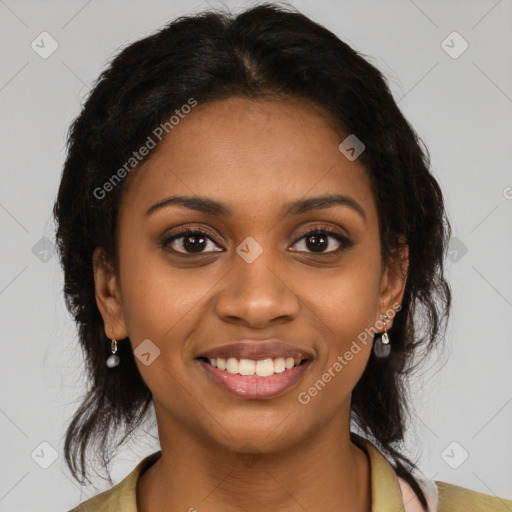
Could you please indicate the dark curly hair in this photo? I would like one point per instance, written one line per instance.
(267, 50)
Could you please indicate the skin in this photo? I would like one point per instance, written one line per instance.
(254, 156)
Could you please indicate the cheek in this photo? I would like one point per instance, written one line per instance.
(155, 307)
(346, 303)
(346, 300)
(156, 297)
(347, 314)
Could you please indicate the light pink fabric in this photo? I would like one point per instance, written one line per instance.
(409, 498)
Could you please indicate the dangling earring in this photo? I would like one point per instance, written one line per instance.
(113, 359)
(382, 348)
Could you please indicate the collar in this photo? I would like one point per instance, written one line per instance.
(386, 488)
(386, 495)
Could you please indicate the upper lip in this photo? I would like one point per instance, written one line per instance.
(257, 349)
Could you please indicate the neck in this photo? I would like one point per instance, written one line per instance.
(326, 472)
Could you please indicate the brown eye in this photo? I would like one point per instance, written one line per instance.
(190, 242)
(323, 241)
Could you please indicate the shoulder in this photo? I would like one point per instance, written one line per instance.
(103, 502)
(119, 497)
(122, 497)
(453, 498)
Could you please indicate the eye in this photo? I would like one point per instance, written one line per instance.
(317, 241)
(190, 241)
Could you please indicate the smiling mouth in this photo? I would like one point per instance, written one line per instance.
(254, 367)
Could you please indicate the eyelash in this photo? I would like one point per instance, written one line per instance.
(345, 243)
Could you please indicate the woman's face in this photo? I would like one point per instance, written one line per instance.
(250, 275)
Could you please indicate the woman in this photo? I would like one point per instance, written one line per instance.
(247, 226)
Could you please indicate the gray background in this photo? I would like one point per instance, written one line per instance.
(461, 107)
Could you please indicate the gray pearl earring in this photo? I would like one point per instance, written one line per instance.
(113, 359)
(382, 347)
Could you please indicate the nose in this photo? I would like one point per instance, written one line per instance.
(257, 294)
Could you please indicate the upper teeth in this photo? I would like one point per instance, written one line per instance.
(262, 368)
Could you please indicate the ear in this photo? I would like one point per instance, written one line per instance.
(108, 296)
(392, 285)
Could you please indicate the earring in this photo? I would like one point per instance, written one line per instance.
(382, 348)
(113, 359)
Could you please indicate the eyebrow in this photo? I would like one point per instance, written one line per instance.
(212, 207)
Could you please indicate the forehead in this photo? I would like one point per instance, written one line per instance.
(243, 151)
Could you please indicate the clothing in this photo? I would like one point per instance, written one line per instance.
(389, 492)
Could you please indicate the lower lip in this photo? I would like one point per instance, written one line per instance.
(253, 387)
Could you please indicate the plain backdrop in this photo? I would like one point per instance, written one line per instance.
(458, 99)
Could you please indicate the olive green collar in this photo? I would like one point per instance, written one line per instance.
(385, 489)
